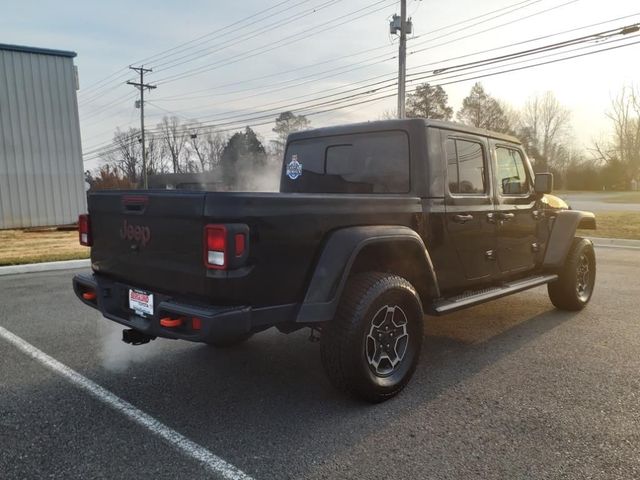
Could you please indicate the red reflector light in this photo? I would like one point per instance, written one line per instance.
(196, 323)
(89, 295)
(240, 244)
(84, 230)
(215, 251)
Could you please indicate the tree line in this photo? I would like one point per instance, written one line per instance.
(241, 159)
(543, 125)
(188, 147)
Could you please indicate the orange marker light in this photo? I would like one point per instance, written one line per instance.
(171, 322)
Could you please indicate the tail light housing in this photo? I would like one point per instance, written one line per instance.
(84, 230)
(226, 246)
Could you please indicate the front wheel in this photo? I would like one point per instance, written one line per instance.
(576, 281)
(371, 348)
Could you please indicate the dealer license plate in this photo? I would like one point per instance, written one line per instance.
(141, 302)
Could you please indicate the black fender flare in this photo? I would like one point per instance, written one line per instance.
(337, 258)
(562, 234)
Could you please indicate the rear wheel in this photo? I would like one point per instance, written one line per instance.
(227, 341)
(576, 281)
(371, 348)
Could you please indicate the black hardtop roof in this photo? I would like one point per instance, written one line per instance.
(404, 124)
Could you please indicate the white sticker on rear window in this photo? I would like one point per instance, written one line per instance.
(294, 168)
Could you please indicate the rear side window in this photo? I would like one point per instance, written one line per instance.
(465, 167)
(511, 172)
(376, 162)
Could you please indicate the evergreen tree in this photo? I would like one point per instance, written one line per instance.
(286, 123)
(481, 110)
(429, 102)
(242, 154)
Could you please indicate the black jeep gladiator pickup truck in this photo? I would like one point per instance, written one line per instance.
(375, 225)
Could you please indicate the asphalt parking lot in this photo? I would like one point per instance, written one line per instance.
(510, 389)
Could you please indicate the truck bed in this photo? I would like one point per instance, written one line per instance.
(154, 240)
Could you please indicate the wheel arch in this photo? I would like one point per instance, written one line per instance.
(392, 249)
(562, 234)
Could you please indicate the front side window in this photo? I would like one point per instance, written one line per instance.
(511, 172)
(465, 167)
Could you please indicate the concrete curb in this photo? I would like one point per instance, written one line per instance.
(44, 267)
(615, 242)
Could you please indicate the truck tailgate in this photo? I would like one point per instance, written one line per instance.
(150, 240)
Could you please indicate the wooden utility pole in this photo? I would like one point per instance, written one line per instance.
(142, 86)
(402, 60)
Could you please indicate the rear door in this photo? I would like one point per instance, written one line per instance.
(516, 217)
(469, 205)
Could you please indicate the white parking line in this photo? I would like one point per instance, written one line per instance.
(180, 442)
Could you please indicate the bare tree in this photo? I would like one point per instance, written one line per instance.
(388, 114)
(173, 140)
(544, 125)
(156, 161)
(125, 154)
(625, 146)
(206, 145)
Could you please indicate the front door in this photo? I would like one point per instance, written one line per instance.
(515, 214)
(469, 206)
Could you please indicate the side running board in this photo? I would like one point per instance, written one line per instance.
(468, 299)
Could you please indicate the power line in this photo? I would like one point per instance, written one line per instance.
(329, 25)
(510, 7)
(280, 23)
(213, 32)
(470, 19)
(245, 121)
(487, 61)
(334, 59)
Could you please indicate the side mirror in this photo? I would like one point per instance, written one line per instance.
(543, 183)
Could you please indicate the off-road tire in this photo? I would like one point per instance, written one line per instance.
(574, 287)
(229, 341)
(347, 340)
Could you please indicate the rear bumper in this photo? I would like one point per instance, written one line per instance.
(111, 299)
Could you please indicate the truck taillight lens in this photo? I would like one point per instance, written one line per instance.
(84, 230)
(215, 255)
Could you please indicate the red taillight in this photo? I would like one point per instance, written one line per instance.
(84, 230)
(215, 254)
(196, 323)
(240, 241)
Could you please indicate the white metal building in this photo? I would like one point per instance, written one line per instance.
(41, 170)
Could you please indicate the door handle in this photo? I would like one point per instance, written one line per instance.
(502, 217)
(462, 218)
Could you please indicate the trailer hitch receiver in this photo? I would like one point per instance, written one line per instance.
(134, 337)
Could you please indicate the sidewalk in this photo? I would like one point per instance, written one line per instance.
(44, 267)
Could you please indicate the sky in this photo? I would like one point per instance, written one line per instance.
(240, 63)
